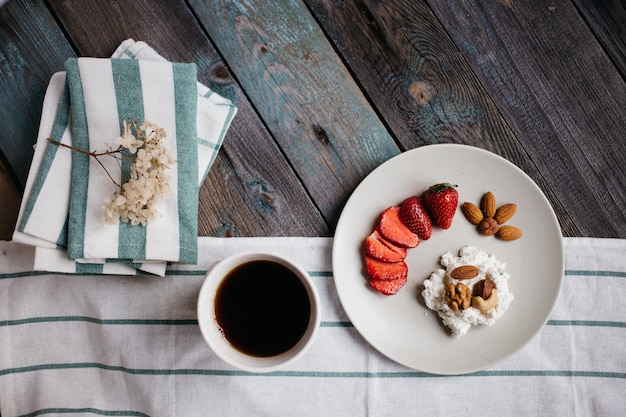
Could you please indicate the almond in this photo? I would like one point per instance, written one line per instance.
(488, 204)
(504, 213)
(509, 233)
(464, 272)
(483, 288)
(472, 213)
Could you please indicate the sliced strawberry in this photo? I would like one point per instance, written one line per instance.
(391, 228)
(378, 247)
(388, 286)
(416, 218)
(385, 270)
(441, 201)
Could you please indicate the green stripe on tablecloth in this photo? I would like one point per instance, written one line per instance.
(60, 124)
(308, 374)
(587, 273)
(104, 322)
(186, 322)
(80, 162)
(129, 97)
(328, 274)
(185, 91)
(91, 410)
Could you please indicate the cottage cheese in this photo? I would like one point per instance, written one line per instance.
(461, 321)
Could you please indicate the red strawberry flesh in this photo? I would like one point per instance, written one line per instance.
(414, 216)
(385, 270)
(391, 228)
(378, 247)
(388, 286)
(441, 201)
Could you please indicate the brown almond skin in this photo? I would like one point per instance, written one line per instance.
(483, 288)
(509, 233)
(472, 212)
(504, 213)
(464, 272)
(488, 204)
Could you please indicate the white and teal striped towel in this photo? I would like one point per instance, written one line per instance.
(92, 345)
(44, 213)
(104, 93)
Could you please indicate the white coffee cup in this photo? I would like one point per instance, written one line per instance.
(216, 334)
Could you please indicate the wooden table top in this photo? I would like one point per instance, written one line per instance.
(328, 90)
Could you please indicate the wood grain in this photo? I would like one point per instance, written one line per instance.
(33, 48)
(303, 93)
(9, 208)
(607, 21)
(414, 75)
(243, 194)
(562, 96)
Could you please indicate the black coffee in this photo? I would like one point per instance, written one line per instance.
(262, 308)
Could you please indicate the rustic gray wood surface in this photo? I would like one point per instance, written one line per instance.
(327, 90)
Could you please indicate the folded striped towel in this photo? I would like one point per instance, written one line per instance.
(43, 216)
(103, 94)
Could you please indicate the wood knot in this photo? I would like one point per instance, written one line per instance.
(264, 49)
(320, 134)
(264, 196)
(422, 92)
(220, 73)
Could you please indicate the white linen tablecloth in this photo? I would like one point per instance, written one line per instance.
(88, 345)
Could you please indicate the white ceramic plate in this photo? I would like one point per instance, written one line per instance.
(401, 326)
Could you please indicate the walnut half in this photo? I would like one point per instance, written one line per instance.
(458, 296)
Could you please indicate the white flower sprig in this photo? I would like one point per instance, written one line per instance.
(136, 199)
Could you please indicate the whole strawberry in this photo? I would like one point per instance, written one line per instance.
(414, 216)
(441, 201)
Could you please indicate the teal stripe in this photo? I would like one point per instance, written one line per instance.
(84, 410)
(327, 274)
(208, 144)
(133, 322)
(104, 322)
(588, 273)
(89, 268)
(586, 323)
(320, 273)
(185, 322)
(185, 92)
(80, 162)
(336, 324)
(308, 374)
(129, 97)
(60, 124)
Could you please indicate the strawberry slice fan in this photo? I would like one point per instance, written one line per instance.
(401, 228)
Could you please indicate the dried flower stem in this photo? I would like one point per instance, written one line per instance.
(136, 198)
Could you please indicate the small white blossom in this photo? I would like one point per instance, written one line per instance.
(135, 201)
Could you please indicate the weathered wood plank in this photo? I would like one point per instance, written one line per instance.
(33, 48)
(9, 205)
(607, 20)
(420, 84)
(243, 195)
(303, 92)
(571, 126)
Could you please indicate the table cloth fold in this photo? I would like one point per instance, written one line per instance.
(115, 345)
